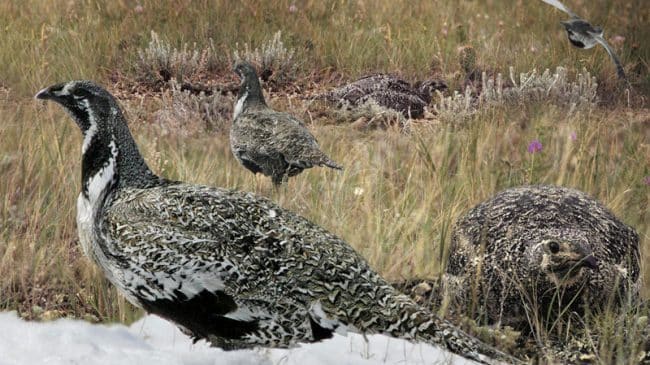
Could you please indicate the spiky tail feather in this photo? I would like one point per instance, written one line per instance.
(418, 324)
(333, 165)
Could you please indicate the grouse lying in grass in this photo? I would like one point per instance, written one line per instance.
(229, 267)
(387, 91)
(531, 252)
(273, 143)
(583, 35)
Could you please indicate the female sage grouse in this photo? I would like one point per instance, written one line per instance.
(229, 267)
(387, 91)
(264, 140)
(535, 251)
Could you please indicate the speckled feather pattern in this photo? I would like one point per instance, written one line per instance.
(225, 266)
(490, 253)
(388, 91)
(281, 270)
(266, 141)
(277, 144)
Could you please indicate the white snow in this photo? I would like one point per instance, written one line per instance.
(152, 340)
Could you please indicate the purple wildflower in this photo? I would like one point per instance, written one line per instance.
(535, 146)
(646, 180)
(293, 8)
(573, 136)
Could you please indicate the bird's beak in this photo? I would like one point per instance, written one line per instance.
(590, 262)
(43, 94)
(53, 92)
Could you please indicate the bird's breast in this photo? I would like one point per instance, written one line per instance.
(581, 41)
(239, 106)
(85, 223)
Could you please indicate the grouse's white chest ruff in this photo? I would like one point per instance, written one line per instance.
(239, 106)
(88, 206)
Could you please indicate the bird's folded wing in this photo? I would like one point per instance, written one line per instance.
(183, 256)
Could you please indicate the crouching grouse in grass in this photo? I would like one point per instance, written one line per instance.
(387, 91)
(229, 267)
(530, 254)
(584, 35)
(273, 143)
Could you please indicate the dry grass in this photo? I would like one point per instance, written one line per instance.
(399, 194)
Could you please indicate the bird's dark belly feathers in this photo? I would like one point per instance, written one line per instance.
(203, 314)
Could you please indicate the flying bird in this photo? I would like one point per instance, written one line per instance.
(226, 266)
(273, 143)
(583, 35)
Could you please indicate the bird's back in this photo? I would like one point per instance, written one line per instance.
(366, 85)
(238, 259)
(409, 104)
(277, 142)
(492, 241)
(545, 207)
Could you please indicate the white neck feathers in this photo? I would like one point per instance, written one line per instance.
(98, 183)
(239, 106)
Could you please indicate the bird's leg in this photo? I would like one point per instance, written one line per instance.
(279, 186)
(257, 188)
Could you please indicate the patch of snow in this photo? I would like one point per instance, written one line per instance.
(153, 340)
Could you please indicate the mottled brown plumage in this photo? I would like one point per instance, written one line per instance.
(266, 141)
(387, 91)
(532, 251)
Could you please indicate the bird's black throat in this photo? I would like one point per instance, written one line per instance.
(96, 158)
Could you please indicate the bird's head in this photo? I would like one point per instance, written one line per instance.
(467, 58)
(565, 258)
(568, 24)
(87, 103)
(250, 90)
(245, 71)
(581, 26)
(427, 88)
(107, 144)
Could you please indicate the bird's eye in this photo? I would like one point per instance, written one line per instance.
(554, 247)
(79, 93)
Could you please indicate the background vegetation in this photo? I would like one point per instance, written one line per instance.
(399, 194)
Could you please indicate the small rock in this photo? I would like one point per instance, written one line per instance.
(589, 358)
(422, 289)
(50, 315)
(37, 310)
(361, 123)
(642, 321)
(88, 317)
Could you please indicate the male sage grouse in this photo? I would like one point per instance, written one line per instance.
(229, 267)
(263, 140)
(387, 91)
(531, 252)
(583, 35)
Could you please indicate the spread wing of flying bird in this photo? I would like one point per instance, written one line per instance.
(562, 7)
(612, 55)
